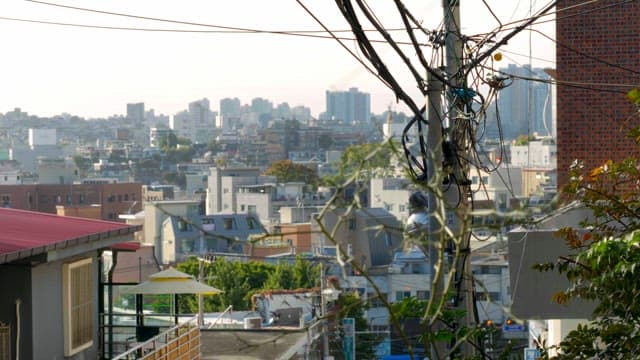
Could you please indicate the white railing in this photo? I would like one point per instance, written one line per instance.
(227, 310)
(180, 339)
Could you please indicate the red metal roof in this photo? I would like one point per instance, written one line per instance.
(22, 231)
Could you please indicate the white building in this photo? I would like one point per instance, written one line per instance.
(538, 153)
(42, 137)
(391, 194)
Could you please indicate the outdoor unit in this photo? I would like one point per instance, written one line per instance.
(253, 323)
(5, 341)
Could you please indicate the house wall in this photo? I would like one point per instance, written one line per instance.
(20, 279)
(46, 280)
(115, 199)
(585, 117)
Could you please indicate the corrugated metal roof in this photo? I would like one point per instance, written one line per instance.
(27, 233)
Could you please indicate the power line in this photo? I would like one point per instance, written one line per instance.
(586, 55)
(300, 33)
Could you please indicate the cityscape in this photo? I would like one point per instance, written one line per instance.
(495, 217)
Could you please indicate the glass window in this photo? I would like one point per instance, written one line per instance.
(228, 223)
(402, 295)
(77, 300)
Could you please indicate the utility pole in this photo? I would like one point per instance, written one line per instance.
(200, 296)
(459, 129)
(323, 310)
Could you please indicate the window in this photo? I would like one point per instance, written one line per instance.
(69, 201)
(422, 294)
(228, 223)
(488, 296)
(184, 226)
(474, 180)
(242, 207)
(252, 223)
(77, 305)
(402, 295)
(251, 209)
(376, 301)
(81, 199)
(352, 224)
(6, 201)
(401, 208)
(388, 207)
(485, 180)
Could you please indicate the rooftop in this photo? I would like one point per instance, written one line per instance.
(28, 233)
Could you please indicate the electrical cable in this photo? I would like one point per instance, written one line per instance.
(308, 34)
(584, 54)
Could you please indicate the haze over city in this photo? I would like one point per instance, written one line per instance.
(93, 72)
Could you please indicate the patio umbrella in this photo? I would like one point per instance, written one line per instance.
(171, 281)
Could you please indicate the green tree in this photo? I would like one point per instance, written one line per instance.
(287, 171)
(363, 161)
(349, 305)
(305, 274)
(281, 277)
(605, 268)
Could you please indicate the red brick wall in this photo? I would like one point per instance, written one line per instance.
(115, 198)
(591, 125)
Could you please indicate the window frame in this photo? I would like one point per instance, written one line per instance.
(86, 305)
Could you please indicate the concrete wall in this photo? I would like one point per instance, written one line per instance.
(47, 334)
(532, 290)
(15, 283)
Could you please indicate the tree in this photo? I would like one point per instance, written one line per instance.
(349, 305)
(288, 171)
(240, 280)
(605, 268)
(364, 161)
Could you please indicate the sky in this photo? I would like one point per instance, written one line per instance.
(47, 70)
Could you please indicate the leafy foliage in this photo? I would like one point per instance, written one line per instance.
(605, 269)
(349, 305)
(240, 280)
(363, 161)
(287, 171)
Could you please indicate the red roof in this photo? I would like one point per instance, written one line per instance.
(25, 233)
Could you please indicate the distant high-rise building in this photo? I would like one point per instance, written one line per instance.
(349, 106)
(593, 120)
(518, 117)
(197, 123)
(282, 111)
(261, 106)
(230, 107)
(135, 112)
(301, 113)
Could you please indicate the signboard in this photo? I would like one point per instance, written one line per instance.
(514, 328)
(531, 354)
(349, 341)
(515, 331)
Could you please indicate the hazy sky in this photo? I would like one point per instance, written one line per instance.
(48, 69)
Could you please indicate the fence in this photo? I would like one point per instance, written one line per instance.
(181, 342)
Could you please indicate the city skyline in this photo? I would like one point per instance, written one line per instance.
(94, 73)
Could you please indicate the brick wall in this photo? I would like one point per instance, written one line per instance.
(114, 199)
(591, 125)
